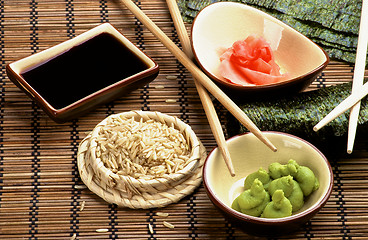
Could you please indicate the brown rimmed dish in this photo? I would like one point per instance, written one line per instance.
(75, 76)
(248, 155)
(219, 25)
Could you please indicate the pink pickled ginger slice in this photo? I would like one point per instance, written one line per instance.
(250, 61)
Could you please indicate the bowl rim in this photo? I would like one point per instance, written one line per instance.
(60, 115)
(264, 86)
(269, 221)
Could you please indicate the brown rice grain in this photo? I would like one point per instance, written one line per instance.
(162, 214)
(171, 77)
(168, 225)
(82, 206)
(150, 228)
(127, 145)
(80, 187)
(73, 237)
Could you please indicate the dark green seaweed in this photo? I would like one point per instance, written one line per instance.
(333, 24)
(299, 113)
(339, 15)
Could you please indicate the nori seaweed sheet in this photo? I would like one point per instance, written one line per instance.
(298, 115)
(333, 24)
(340, 15)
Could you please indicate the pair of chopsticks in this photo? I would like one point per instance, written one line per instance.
(202, 80)
(359, 90)
(207, 104)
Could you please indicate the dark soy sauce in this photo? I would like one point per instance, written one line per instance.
(84, 69)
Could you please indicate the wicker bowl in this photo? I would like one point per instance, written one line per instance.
(128, 191)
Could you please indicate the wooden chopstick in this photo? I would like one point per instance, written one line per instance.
(198, 74)
(343, 106)
(208, 107)
(359, 92)
(361, 56)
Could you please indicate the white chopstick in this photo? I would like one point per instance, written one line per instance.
(343, 106)
(207, 104)
(361, 56)
(198, 74)
(359, 92)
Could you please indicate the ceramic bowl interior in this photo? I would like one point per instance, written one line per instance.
(220, 24)
(248, 154)
(103, 44)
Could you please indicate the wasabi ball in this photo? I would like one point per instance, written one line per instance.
(279, 207)
(262, 176)
(307, 180)
(291, 189)
(278, 170)
(284, 183)
(253, 200)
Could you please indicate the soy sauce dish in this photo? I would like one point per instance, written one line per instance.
(75, 76)
(249, 155)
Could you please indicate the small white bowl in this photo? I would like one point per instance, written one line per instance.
(248, 154)
(220, 24)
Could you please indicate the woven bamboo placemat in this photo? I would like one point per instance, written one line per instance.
(41, 194)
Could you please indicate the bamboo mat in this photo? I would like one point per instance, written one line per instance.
(41, 194)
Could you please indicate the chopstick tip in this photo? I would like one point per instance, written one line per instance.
(272, 147)
(231, 170)
(349, 151)
(269, 144)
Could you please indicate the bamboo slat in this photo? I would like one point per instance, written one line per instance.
(41, 194)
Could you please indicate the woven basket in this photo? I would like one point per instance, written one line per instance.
(137, 193)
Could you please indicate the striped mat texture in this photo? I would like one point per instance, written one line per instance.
(41, 194)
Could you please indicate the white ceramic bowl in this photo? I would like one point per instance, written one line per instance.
(220, 24)
(248, 155)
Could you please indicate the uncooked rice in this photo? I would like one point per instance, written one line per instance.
(141, 149)
(168, 225)
(150, 228)
(73, 237)
(162, 214)
(82, 206)
(171, 77)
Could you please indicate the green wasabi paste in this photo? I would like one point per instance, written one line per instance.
(261, 175)
(252, 201)
(291, 189)
(288, 184)
(279, 207)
